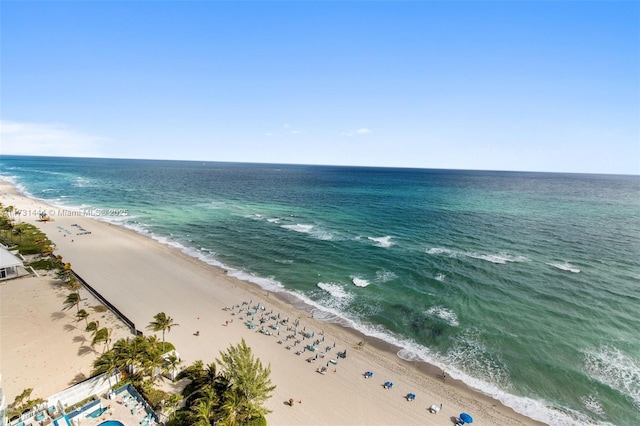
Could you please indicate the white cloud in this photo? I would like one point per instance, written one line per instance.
(47, 139)
(360, 131)
(295, 132)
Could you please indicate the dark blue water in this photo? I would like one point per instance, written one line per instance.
(524, 285)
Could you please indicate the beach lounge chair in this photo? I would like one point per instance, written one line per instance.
(368, 374)
(411, 397)
(146, 420)
(434, 409)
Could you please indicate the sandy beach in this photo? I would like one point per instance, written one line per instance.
(142, 277)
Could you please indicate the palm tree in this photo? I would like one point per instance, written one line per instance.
(19, 232)
(152, 364)
(172, 403)
(9, 209)
(82, 315)
(107, 363)
(19, 401)
(65, 273)
(249, 384)
(126, 354)
(103, 335)
(204, 407)
(171, 365)
(73, 299)
(161, 322)
(92, 327)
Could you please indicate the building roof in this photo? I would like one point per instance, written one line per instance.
(7, 259)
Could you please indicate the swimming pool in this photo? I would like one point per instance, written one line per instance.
(111, 423)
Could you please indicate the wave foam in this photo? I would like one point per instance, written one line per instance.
(299, 227)
(611, 367)
(311, 230)
(499, 258)
(384, 242)
(566, 266)
(335, 290)
(445, 314)
(385, 276)
(592, 404)
(359, 282)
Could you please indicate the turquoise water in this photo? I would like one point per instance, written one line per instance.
(524, 285)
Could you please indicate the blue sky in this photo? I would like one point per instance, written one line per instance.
(538, 86)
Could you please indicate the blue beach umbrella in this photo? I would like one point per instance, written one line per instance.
(466, 418)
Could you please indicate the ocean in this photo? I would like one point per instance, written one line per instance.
(526, 286)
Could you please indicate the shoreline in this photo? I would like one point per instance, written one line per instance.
(204, 286)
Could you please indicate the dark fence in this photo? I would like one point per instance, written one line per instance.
(108, 304)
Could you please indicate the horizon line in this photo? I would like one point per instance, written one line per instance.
(323, 165)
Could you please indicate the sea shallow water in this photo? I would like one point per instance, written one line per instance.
(524, 285)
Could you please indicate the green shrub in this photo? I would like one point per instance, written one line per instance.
(44, 264)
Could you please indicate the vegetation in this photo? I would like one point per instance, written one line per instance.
(28, 238)
(161, 322)
(231, 392)
(46, 264)
(235, 395)
(23, 403)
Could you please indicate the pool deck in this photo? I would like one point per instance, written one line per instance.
(116, 411)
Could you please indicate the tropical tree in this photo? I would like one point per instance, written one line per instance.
(73, 284)
(171, 364)
(152, 363)
(19, 231)
(161, 322)
(9, 210)
(47, 250)
(92, 327)
(204, 408)
(65, 273)
(19, 401)
(103, 335)
(82, 315)
(249, 385)
(106, 363)
(73, 299)
(172, 403)
(5, 224)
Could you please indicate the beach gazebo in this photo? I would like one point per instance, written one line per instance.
(10, 265)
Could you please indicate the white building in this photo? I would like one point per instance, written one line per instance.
(10, 265)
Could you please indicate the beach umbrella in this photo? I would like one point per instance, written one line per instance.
(466, 418)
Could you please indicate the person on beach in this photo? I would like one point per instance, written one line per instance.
(444, 376)
(290, 402)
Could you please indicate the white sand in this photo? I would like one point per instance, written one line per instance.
(142, 277)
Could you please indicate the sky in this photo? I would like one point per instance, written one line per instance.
(501, 85)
